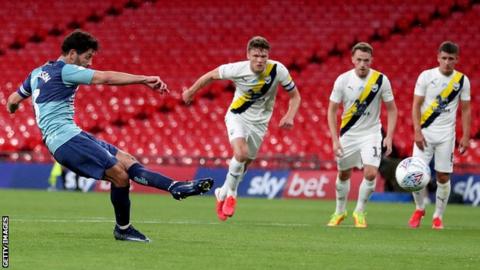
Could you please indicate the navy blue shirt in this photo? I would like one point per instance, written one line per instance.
(53, 87)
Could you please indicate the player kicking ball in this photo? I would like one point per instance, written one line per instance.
(52, 88)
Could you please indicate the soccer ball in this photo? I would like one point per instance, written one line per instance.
(412, 174)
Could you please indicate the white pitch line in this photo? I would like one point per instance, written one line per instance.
(178, 222)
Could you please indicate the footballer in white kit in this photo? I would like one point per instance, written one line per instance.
(441, 94)
(252, 105)
(438, 92)
(256, 82)
(360, 91)
(360, 130)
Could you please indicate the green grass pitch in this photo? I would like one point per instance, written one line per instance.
(67, 230)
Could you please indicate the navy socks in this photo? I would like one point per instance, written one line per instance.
(119, 196)
(121, 204)
(143, 176)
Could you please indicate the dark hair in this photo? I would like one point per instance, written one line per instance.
(80, 41)
(364, 47)
(258, 42)
(448, 47)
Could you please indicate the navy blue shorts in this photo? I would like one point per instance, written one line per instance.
(87, 156)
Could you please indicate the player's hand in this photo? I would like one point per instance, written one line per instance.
(187, 96)
(463, 145)
(157, 84)
(11, 107)
(387, 143)
(286, 122)
(337, 148)
(420, 141)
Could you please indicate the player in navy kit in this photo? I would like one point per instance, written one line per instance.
(52, 88)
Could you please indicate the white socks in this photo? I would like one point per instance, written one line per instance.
(233, 179)
(419, 198)
(342, 188)
(366, 189)
(441, 198)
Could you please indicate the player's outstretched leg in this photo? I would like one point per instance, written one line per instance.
(179, 190)
(182, 190)
(146, 177)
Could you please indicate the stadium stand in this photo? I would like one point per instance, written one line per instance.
(182, 40)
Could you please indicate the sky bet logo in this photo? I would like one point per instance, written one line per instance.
(266, 185)
(4, 241)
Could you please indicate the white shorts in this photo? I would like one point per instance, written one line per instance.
(359, 151)
(253, 133)
(443, 152)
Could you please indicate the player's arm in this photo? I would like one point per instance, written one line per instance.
(121, 78)
(23, 92)
(392, 123)
(293, 105)
(466, 125)
(13, 101)
(416, 115)
(203, 81)
(332, 126)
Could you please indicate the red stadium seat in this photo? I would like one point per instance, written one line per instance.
(190, 38)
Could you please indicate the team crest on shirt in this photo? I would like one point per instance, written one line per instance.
(360, 89)
(442, 105)
(375, 88)
(268, 79)
(456, 86)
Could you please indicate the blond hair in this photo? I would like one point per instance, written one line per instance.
(364, 47)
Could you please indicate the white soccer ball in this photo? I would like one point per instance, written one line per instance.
(412, 174)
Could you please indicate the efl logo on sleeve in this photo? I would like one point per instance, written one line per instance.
(5, 241)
